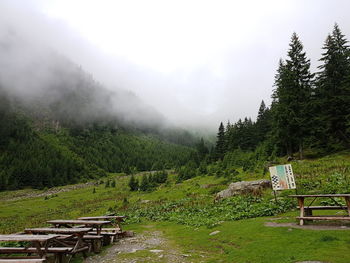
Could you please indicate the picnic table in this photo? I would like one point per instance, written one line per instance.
(40, 243)
(109, 234)
(306, 210)
(115, 220)
(70, 246)
(97, 224)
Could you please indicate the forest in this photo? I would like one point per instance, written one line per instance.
(309, 113)
(69, 134)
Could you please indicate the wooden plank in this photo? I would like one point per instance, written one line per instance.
(29, 238)
(101, 217)
(27, 260)
(103, 233)
(79, 222)
(325, 207)
(49, 230)
(322, 195)
(10, 250)
(324, 217)
(87, 237)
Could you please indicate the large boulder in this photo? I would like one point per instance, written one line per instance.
(244, 187)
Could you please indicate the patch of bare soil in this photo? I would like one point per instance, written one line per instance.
(150, 246)
(311, 227)
(49, 192)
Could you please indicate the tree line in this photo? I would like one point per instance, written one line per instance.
(308, 110)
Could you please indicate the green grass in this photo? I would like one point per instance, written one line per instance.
(238, 241)
(249, 240)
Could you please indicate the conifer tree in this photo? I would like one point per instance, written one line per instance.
(333, 89)
(144, 185)
(291, 98)
(133, 183)
(220, 148)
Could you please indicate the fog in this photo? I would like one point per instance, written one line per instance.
(194, 62)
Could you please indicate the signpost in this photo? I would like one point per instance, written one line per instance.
(282, 178)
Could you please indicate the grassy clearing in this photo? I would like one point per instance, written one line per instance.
(249, 240)
(238, 241)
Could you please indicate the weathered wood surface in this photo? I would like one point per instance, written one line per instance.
(27, 260)
(48, 230)
(28, 238)
(102, 217)
(325, 207)
(10, 250)
(78, 222)
(322, 195)
(324, 218)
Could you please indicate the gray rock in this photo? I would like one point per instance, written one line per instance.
(214, 233)
(244, 187)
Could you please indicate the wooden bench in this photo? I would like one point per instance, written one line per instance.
(95, 242)
(58, 252)
(323, 217)
(306, 210)
(12, 250)
(108, 237)
(27, 260)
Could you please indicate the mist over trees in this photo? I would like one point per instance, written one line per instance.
(60, 126)
(308, 111)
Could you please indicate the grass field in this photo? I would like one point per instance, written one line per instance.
(246, 240)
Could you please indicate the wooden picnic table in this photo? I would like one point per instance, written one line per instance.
(97, 224)
(72, 246)
(115, 220)
(306, 210)
(40, 243)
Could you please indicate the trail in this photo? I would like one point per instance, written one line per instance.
(150, 246)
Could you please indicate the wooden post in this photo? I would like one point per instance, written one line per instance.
(347, 200)
(301, 207)
(274, 193)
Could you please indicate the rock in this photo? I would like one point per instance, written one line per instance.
(129, 234)
(214, 233)
(185, 255)
(145, 201)
(244, 187)
(156, 250)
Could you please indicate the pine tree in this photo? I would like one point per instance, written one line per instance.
(292, 98)
(221, 146)
(133, 183)
(202, 150)
(333, 89)
(144, 185)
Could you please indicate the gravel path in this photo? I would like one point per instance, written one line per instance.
(150, 246)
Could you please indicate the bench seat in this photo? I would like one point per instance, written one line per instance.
(325, 207)
(10, 250)
(324, 217)
(27, 260)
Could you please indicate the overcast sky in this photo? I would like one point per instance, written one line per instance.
(197, 62)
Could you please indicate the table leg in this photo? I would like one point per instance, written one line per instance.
(301, 206)
(38, 248)
(347, 200)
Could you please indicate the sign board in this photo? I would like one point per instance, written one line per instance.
(282, 177)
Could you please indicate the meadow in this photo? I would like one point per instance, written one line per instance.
(186, 214)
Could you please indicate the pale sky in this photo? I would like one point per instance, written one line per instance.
(195, 61)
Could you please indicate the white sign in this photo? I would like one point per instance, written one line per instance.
(282, 177)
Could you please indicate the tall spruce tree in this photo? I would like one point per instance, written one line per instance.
(291, 98)
(333, 90)
(220, 148)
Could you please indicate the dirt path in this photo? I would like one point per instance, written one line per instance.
(150, 246)
(19, 195)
